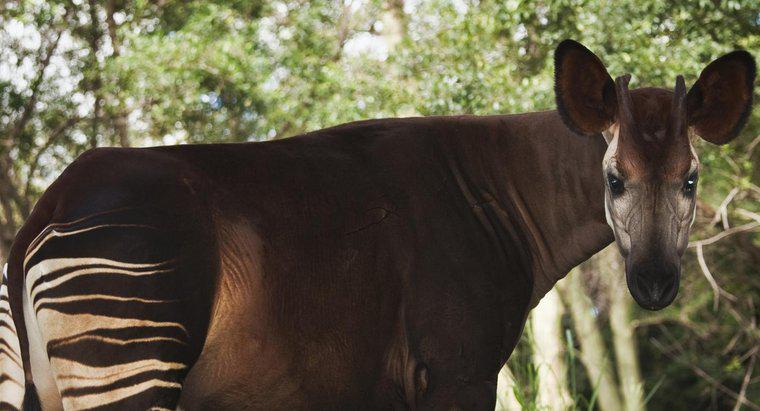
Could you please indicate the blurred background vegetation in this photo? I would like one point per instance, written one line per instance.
(76, 74)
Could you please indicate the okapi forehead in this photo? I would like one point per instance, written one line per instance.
(651, 150)
(651, 111)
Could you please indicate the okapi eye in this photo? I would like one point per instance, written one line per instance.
(690, 185)
(616, 185)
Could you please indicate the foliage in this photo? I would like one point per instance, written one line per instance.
(75, 74)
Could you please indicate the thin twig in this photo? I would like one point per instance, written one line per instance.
(745, 382)
(48, 143)
(751, 353)
(707, 377)
(748, 327)
(717, 291)
(748, 214)
(731, 344)
(752, 145)
(724, 233)
(722, 212)
(754, 189)
(28, 109)
(731, 162)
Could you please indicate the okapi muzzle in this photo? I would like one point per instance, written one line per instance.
(658, 229)
(650, 169)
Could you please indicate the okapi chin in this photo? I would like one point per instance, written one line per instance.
(374, 265)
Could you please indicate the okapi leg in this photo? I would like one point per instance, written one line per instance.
(110, 301)
(11, 369)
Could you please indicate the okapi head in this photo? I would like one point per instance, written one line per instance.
(650, 168)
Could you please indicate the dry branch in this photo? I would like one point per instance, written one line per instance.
(725, 233)
(722, 212)
(717, 290)
(707, 377)
(745, 381)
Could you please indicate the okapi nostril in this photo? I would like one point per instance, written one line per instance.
(656, 292)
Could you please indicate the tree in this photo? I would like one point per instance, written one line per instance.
(549, 353)
(79, 74)
(593, 351)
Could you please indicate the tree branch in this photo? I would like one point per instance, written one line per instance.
(752, 145)
(119, 118)
(745, 382)
(8, 188)
(723, 234)
(707, 377)
(748, 214)
(94, 38)
(722, 212)
(28, 109)
(48, 143)
(717, 291)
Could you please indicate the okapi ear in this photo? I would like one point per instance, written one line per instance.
(584, 90)
(720, 101)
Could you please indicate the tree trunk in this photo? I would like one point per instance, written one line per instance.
(12, 207)
(96, 82)
(119, 117)
(397, 23)
(623, 338)
(593, 353)
(548, 353)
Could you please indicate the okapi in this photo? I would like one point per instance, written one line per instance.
(373, 265)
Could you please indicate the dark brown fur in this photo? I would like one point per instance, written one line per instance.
(653, 151)
(383, 259)
(374, 265)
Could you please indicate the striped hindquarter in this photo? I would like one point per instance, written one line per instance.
(11, 370)
(109, 310)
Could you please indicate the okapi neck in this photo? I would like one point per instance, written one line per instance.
(540, 181)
